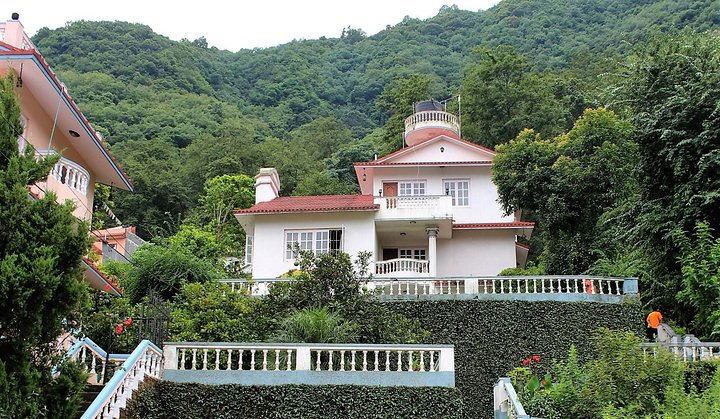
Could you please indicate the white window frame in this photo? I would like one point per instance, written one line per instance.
(249, 244)
(318, 241)
(417, 187)
(453, 191)
(417, 253)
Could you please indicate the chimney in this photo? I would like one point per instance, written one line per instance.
(267, 185)
(14, 32)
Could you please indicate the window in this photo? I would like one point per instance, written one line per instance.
(317, 241)
(459, 190)
(413, 188)
(248, 250)
(419, 254)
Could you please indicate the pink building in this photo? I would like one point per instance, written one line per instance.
(55, 125)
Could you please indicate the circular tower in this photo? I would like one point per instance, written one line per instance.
(429, 120)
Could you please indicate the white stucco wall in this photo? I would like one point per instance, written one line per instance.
(269, 237)
(476, 253)
(484, 206)
(444, 150)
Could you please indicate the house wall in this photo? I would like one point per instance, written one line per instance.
(269, 237)
(476, 253)
(484, 206)
(37, 132)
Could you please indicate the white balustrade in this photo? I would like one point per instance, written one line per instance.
(405, 202)
(146, 360)
(68, 173)
(390, 282)
(307, 357)
(416, 266)
(71, 174)
(685, 351)
(430, 118)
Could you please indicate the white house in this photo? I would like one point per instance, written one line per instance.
(427, 210)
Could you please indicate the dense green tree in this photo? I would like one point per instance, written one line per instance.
(569, 182)
(397, 100)
(211, 312)
(500, 97)
(322, 183)
(41, 286)
(700, 268)
(222, 195)
(671, 89)
(163, 270)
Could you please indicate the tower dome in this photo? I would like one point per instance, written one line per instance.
(429, 120)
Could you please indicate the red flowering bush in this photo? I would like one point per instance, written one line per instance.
(526, 381)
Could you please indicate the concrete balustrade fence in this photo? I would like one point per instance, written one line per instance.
(531, 288)
(686, 351)
(272, 364)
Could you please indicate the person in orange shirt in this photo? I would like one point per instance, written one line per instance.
(653, 321)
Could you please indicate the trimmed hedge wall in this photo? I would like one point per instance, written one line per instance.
(190, 401)
(493, 337)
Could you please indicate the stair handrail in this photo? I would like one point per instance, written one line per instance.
(146, 359)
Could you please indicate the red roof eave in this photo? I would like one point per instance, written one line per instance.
(110, 287)
(34, 53)
(321, 203)
(493, 226)
(428, 163)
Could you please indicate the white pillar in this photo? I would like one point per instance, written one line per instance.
(432, 250)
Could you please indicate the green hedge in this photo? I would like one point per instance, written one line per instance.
(190, 401)
(492, 337)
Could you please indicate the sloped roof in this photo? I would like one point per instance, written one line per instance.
(317, 203)
(10, 53)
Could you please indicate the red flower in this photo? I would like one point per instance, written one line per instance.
(536, 358)
(526, 361)
(118, 329)
(128, 321)
(108, 287)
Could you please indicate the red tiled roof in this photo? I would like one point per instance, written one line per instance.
(317, 203)
(34, 53)
(426, 163)
(513, 224)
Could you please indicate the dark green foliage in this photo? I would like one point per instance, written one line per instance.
(174, 400)
(700, 268)
(163, 270)
(41, 287)
(568, 183)
(698, 375)
(493, 337)
(211, 312)
(331, 281)
(315, 325)
(671, 88)
(501, 97)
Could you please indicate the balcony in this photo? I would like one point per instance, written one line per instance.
(426, 120)
(426, 207)
(402, 268)
(70, 181)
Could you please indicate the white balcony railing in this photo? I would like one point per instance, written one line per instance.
(414, 207)
(401, 266)
(431, 119)
(541, 287)
(308, 357)
(68, 173)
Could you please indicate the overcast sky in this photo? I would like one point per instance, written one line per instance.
(233, 25)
